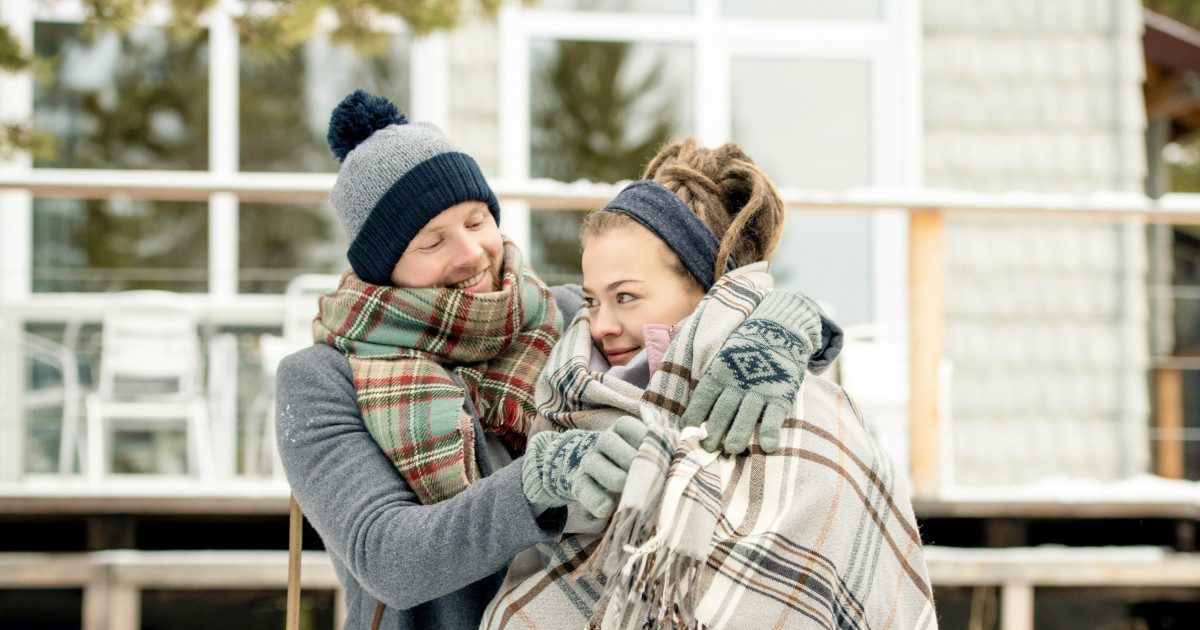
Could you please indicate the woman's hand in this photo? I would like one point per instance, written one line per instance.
(756, 375)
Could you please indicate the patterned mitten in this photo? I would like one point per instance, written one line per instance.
(756, 374)
(584, 466)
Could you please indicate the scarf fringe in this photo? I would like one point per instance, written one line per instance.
(652, 574)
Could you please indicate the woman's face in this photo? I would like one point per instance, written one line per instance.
(628, 281)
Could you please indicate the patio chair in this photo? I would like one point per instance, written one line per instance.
(150, 377)
(299, 309)
(65, 394)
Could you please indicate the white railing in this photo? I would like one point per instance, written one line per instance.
(112, 581)
(553, 195)
(926, 210)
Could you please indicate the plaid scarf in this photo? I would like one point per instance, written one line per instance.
(401, 342)
(818, 534)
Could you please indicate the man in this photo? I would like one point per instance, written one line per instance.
(402, 429)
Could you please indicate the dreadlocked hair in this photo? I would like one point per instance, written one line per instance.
(734, 198)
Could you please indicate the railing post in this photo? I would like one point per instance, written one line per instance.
(926, 339)
(1016, 606)
(1168, 412)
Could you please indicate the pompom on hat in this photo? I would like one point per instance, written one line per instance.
(395, 177)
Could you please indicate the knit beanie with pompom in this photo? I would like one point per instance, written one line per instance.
(395, 177)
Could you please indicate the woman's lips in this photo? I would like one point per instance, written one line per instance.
(620, 355)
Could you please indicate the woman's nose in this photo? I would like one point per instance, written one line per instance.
(605, 325)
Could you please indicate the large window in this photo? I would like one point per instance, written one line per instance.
(816, 92)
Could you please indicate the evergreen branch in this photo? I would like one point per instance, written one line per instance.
(21, 137)
(12, 56)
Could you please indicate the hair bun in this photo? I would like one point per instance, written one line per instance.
(356, 118)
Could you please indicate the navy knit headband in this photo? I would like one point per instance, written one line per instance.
(672, 220)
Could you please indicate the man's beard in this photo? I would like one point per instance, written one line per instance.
(493, 273)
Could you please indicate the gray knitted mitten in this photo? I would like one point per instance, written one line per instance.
(756, 374)
(584, 466)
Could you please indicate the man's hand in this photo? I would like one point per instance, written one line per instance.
(756, 375)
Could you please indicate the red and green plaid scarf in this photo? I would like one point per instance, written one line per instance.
(401, 342)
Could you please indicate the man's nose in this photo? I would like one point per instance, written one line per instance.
(467, 251)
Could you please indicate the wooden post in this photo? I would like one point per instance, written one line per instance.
(295, 544)
(339, 607)
(95, 604)
(124, 607)
(1016, 606)
(926, 339)
(1168, 398)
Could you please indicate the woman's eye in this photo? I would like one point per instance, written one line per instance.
(624, 297)
(590, 303)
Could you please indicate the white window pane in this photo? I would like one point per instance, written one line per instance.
(807, 123)
(805, 9)
(278, 242)
(102, 245)
(599, 111)
(285, 101)
(138, 100)
(620, 6)
(809, 119)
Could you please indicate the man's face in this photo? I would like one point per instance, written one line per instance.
(460, 249)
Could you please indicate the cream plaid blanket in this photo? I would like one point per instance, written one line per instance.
(818, 534)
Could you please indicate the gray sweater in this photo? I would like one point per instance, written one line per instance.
(434, 566)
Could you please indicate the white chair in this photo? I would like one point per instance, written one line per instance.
(41, 350)
(299, 309)
(150, 377)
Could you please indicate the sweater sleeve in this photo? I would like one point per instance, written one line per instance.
(568, 297)
(401, 552)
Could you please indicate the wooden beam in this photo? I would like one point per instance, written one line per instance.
(48, 570)
(1063, 566)
(1116, 507)
(201, 570)
(1168, 415)
(926, 312)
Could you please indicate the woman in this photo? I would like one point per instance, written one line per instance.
(818, 532)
